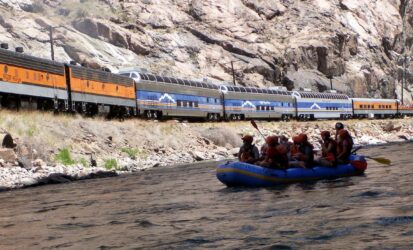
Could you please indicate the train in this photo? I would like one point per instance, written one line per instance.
(31, 82)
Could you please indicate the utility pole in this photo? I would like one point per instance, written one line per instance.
(404, 75)
(233, 73)
(51, 42)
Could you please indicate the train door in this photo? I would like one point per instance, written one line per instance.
(68, 89)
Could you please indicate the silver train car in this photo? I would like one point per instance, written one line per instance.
(315, 105)
(256, 103)
(160, 96)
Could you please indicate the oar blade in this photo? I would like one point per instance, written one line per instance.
(380, 160)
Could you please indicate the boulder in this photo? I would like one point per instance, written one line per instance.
(8, 141)
(8, 155)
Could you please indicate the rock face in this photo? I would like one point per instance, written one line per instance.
(360, 44)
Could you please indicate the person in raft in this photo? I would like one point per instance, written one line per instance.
(248, 152)
(302, 152)
(276, 154)
(328, 150)
(287, 144)
(340, 126)
(344, 147)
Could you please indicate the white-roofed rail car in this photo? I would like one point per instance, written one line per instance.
(315, 105)
(257, 103)
(27, 81)
(375, 108)
(161, 96)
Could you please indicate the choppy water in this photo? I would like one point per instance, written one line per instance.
(187, 208)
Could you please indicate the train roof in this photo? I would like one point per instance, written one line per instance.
(173, 80)
(30, 62)
(99, 75)
(373, 100)
(319, 95)
(256, 90)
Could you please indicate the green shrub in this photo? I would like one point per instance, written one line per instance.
(131, 152)
(84, 162)
(111, 164)
(64, 157)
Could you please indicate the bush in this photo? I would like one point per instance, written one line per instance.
(111, 164)
(131, 152)
(64, 157)
(84, 162)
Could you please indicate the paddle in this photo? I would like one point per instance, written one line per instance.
(381, 160)
(256, 127)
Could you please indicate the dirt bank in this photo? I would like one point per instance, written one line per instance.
(68, 147)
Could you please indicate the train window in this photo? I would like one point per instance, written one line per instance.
(192, 83)
(259, 90)
(257, 107)
(173, 80)
(254, 90)
(272, 108)
(237, 89)
(242, 89)
(204, 85)
(230, 88)
(248, 90)
(179, 103)
(159, 78)
(151, 77)
(167, 79)
(180, 81)
(198, 84)
(196, 105)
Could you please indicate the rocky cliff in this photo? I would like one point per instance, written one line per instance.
(360, 44)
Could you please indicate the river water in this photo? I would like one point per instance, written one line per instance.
(187, 207)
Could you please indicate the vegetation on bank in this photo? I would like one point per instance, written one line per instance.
(73, 139)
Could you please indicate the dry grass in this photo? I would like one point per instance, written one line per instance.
(43, 135)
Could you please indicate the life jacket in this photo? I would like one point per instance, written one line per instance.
(330, 156)
(341, 145)
(247, 153)
(278, 156)
(294, 149)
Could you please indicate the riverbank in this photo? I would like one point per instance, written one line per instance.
(53, 149)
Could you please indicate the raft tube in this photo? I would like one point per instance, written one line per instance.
(248, 175)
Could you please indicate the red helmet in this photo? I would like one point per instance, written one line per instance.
(343, 134)
(248, 138)
(301, 138)
(272, 140)
(325, 134)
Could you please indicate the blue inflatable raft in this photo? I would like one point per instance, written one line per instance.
(248, 175)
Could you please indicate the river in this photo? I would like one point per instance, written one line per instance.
(187, 207)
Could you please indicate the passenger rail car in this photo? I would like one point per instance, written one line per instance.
(314, 105)
(406, 109)
(256, 103)
(31, 81)
(93, 91)
(160, 96)
(374, 108)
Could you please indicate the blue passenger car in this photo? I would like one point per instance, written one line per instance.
(160, 96)
(314, 105)
(257, 103)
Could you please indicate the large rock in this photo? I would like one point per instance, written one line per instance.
(8, 155)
